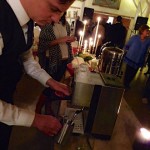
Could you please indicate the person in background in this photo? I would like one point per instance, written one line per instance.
(90, 27)
(118, 33)
(107, 26)
(78, 27)
(136, 48)
(55, 52)
(16, 37)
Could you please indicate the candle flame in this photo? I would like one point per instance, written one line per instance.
(85, 22)
(80, 33)
(145, 133)
(99, 36)
(85, 41)
(98, 18)
(90, 39)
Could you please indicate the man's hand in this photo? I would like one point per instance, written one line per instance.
(47, 124)
(59, 87)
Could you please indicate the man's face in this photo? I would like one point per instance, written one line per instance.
(47, 11)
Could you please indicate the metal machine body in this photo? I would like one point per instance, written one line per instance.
(102, 101)
(110, 60)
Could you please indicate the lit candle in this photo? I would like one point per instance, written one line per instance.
(81, 34)
(98, 38)
(91, 47)
(98, 19)
(90, 39)
(85, 22)
(85, 45)
(90, 43)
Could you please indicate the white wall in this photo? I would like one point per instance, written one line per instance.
(127, 9)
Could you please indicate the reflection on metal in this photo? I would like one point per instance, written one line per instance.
(110, 60)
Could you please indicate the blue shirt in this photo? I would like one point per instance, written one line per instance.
(136, 51)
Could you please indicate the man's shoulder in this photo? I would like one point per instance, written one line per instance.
(120, 26)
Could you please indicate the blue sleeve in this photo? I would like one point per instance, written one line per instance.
(149, 43)
(129, 43)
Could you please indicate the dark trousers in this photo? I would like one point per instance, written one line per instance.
(146, 92)
(148, 63)
(129, 75)
(5, 130)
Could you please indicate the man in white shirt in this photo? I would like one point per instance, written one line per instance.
(14, 16)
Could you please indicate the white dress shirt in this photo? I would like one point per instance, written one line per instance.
(11, 114)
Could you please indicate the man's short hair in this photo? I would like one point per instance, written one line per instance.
(119, 18)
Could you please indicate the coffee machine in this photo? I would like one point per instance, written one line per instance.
(101, 95)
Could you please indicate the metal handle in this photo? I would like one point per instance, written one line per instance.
(76, 113)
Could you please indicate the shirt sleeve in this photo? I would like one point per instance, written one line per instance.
(130, 42)
(13, 115)
(33, 68)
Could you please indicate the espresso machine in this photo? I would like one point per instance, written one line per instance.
(101, 95)
(110, 60)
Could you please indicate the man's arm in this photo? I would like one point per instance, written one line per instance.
(12, 115)
(33, 68)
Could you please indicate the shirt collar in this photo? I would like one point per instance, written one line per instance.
(19, 11)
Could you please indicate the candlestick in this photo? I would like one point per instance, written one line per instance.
(96, 31)
(85, 22)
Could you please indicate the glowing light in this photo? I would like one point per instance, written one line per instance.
(90, 43)
(85, 45)
(81, 34)
(84, 22)
(145, 133)
(98, 38)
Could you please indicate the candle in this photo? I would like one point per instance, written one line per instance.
(85, 22)
(81, 34)
(98, 38)
(90, 43)
(85, 45)
(91, 47)
(96, 31)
